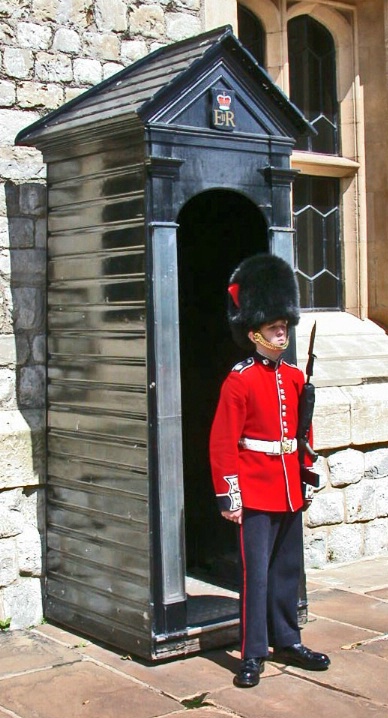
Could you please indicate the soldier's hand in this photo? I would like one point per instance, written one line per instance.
(235, 516)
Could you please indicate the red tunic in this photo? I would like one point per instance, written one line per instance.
(259, 400)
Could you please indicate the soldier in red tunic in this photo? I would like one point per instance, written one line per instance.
(256, 468)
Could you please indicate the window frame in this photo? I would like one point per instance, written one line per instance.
(349, 166)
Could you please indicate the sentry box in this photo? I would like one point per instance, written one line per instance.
(161, 179)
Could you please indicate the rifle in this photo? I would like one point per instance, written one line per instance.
(305, 411)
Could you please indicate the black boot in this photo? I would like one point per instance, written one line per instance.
(249, 673)
(302, 657)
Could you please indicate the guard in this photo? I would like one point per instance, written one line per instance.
(256, 466)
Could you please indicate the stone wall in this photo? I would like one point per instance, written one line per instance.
(50, 52)
(348, 518)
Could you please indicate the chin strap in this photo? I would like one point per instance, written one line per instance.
(258, 337)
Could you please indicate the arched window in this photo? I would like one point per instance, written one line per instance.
(311, 56)
(312, 68)
(251, 33)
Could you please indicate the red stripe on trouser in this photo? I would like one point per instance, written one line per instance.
(244, 592)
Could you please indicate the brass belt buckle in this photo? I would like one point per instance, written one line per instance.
(286, 445)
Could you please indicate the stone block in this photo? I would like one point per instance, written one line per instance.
(180, 26)
(29, 308)
(4, 233)
(7, 93)
(11, 521)
(9, 571)
(35, 94)
(382, 497)
(39, 349)
(6, 323)
(3, 202)
(46, 10)
(28, 266)
(32, 387)
(66, 40)
(11, 122)
(326, 509)
(22, 163)
(21, 232)
(376, 538)
(111, 15)
(331, 418)
(22, 446)
(5, 263)
(7, 388)
(7, 33)
(29, 551)
(360, 502)
(147, 21)
(7, 350)
(11, 199)
(315, 549)
(6, 8)
(320, 467)
(73, 13)
(345, 543)
(110, 68)
(369, 413)
(72, 92)
(376, 464)
(132, 50)
(22, 601)
(87, 72)
(104, 46)
(29, 502)
(53, 68)
(18, 63)
(34, 36)
(33, 199)
(41, 234)
(346, 467)
(189, 4)
(22, 349)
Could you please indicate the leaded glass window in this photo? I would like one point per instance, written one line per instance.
(251, 34)
(311, 54)
(317, 248)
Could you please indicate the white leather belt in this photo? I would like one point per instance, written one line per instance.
(287, 446)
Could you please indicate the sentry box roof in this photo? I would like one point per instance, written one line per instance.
(160, 87)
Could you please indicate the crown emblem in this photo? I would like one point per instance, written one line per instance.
(224, 101)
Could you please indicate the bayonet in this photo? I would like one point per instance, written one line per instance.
(311, 355)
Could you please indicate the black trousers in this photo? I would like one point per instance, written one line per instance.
(270, 556)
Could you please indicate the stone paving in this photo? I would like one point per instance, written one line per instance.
(48, 672)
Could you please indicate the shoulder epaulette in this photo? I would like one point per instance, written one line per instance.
(245, 364)
(291, 365)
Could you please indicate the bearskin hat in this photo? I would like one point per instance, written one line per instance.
(262, 289)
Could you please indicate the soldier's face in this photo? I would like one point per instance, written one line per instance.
(275, 332)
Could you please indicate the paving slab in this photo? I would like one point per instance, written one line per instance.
(326, 635)
(62, 635)
(353, 672)
(359, 576)
(180, 678)
(25, 651)
(376, 648)
(381, 593)
(81, 690)
(288, 695)
(355, 609)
